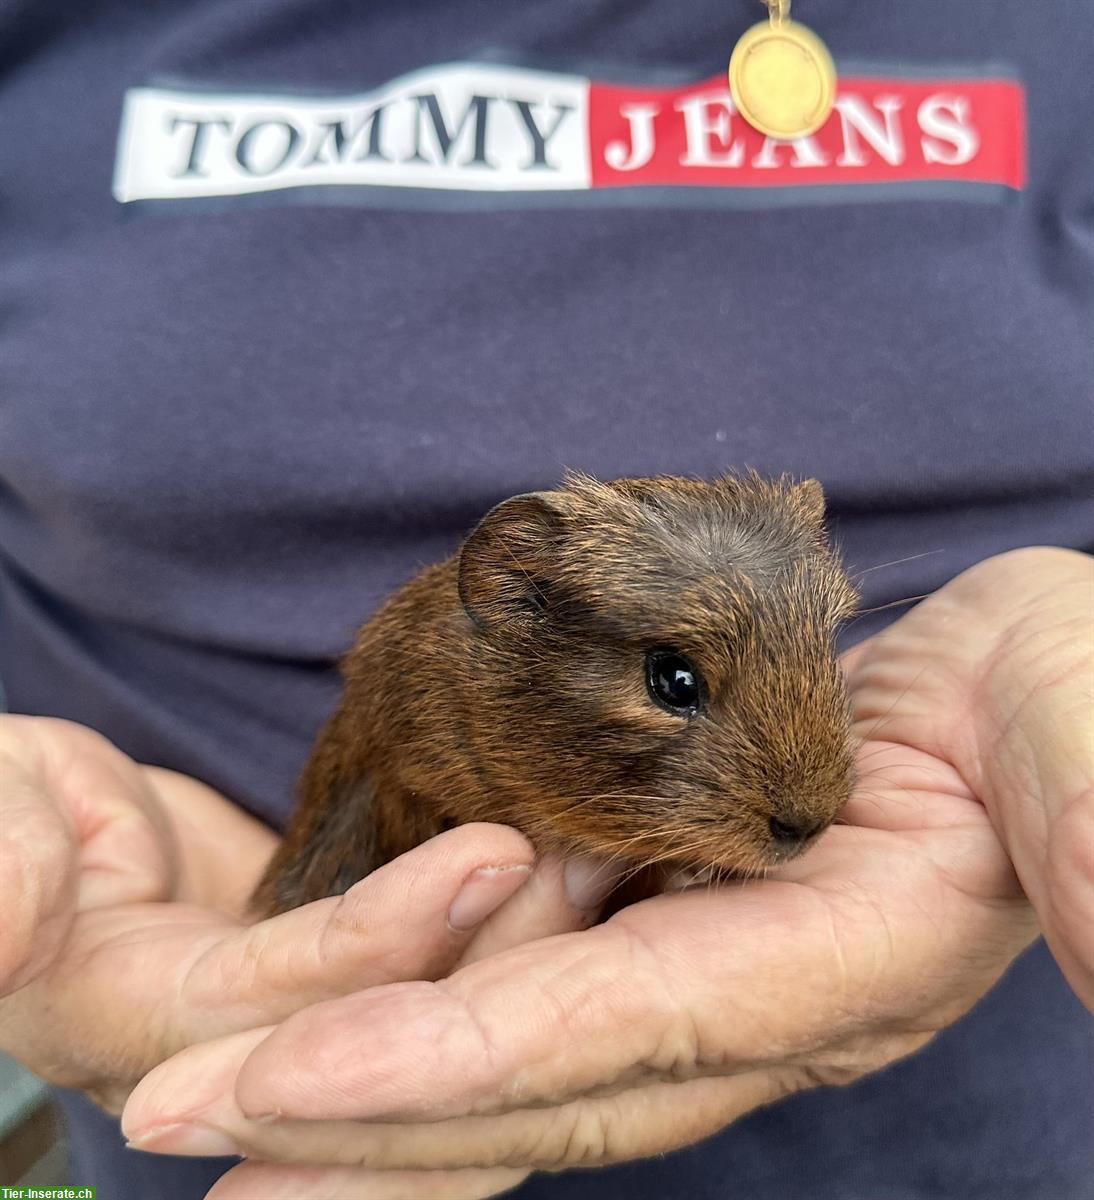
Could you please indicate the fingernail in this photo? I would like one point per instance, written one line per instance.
(484, 890)
(588, 881)
(201, 1141)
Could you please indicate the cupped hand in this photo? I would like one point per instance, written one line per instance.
(122, 930)
(687, 1010)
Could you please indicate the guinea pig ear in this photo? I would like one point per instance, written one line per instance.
(504, 559)
(810, 495)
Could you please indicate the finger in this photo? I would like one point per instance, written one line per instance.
(38, 849)
(275, 1182)
(222, 850)
(678, 985)
(550, 1020)
(647, 1119)
(900, 788)
(410, 919)
(561, 896)
(103, 795)
(1009, 704)
(189, 974)
(78, 831)
(1035, 750)
(1065, 892)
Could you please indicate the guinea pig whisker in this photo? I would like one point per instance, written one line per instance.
(680, 854)
(865, 612)
(670, 854)
(623, 845)
(585, 800)
(634, 837)
(599, 797)
(870, 798)
(896, 562)
(927, 777)
(618, 796)
(676, 853)
(865, 758)
(887, 714)
(896, 766)
(889, 801)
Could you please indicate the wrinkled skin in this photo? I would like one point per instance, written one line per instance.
(122, 938)
(679, 1013)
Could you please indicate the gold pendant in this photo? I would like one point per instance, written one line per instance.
(781, 76)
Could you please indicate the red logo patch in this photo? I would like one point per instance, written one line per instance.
(881, 131)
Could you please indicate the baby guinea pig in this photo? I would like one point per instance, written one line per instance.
(642, 669)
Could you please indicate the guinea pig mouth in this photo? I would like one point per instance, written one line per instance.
(783, 839)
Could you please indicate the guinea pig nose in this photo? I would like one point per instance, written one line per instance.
(783, 831)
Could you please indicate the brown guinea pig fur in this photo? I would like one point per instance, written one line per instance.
(643, 669)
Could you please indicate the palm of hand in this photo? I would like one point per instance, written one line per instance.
(685, 1011)
(122, 940)
(663, 1024)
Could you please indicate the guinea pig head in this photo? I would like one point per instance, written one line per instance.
(656, 664)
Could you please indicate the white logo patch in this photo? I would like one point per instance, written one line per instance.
(465, 127)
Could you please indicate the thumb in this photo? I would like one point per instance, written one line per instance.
(79, 830)
(38, 848)
(411, 919)
(137, 983)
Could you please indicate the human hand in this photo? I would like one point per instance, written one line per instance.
(122, 935)
(683, 1012)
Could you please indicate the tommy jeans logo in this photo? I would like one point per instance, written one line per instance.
(504, 134)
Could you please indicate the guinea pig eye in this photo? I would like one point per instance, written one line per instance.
(673, 682)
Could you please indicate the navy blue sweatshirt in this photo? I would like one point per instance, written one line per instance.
(291, 291)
